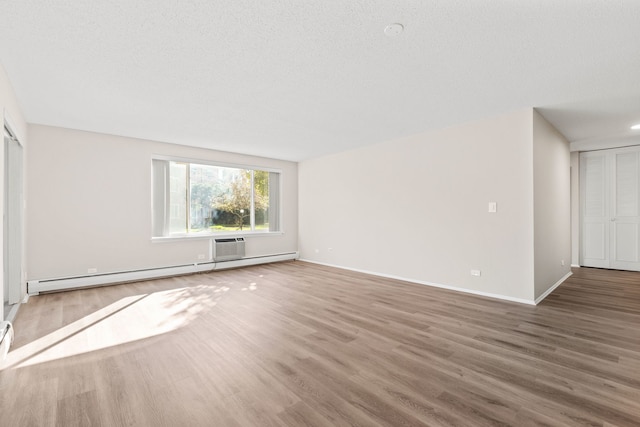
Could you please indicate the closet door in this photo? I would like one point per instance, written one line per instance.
(625, 217)
(610, 207)
(595, 209)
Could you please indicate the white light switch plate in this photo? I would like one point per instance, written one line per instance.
(493, 207)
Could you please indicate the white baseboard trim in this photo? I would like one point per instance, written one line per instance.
(35, 287)
(436, 285)
(575, 266)
(553, 288)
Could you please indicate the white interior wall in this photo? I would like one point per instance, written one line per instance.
(90, 204)
(416, 208)
(552, 205)
(9, 111)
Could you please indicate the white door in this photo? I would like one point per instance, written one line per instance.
(625, 218)
(610, 194)
(595, 209)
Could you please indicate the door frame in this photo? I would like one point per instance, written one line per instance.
(15, 257)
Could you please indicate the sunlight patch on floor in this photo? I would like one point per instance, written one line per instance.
(129, 319)
(252, 287)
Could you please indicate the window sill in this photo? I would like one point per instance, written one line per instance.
(203, 236)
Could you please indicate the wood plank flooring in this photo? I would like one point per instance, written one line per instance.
(297, 344)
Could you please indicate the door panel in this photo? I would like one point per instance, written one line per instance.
(595, 219)
(595, 239)
(626, 188)
(625, 217)
(626, 242)
(595, 191)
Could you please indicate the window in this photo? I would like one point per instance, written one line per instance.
(191, 198)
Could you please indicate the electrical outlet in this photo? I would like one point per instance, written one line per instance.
(475, 273)
(317, 251)
(562, 262)
(92, 270)
(330, 249)
(200, 256)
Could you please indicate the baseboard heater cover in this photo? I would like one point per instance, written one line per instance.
(36, 287)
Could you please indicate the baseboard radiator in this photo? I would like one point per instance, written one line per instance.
(35, 287)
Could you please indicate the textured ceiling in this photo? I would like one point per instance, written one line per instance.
(295, 79)
(597, 124)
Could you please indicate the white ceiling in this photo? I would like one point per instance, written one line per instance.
(296, 79)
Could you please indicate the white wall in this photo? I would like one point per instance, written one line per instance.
(9, 112)
(90, 204)
(416, 207)
(552, 205)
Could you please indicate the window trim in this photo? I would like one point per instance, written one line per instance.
(210, 235)
(213, 163)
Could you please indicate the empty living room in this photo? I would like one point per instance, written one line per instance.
(320, 213)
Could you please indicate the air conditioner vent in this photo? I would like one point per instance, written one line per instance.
(228, 249)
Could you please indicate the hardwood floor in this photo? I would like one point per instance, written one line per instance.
(297, 344)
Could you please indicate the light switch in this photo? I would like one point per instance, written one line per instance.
(493, 207)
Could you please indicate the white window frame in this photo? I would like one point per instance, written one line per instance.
(209, 235)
